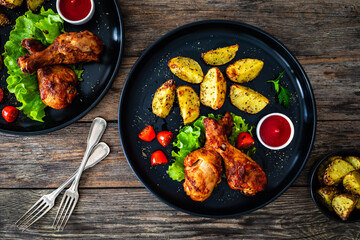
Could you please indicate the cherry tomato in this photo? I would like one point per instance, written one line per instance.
(165, 138)
(244, 141)
(158, 157)
(147, 134)
(1, 94)
(10, 113)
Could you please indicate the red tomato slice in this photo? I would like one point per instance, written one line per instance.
(165, 138)
(244, 141)
(147, 134)
(10, 113)
(158, 157)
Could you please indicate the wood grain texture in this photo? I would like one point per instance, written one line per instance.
(135, 213)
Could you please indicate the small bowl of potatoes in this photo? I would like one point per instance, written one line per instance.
(335, 185)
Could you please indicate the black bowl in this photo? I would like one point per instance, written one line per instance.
(315, 185)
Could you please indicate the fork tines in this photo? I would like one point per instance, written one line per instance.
(39, 209)
(70, 203)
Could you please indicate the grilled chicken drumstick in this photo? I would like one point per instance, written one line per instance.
(202, 173)
(242, 172)
(68, 48)
(57, 83)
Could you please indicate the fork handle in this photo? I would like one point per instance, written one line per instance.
(97, 129)
(101, 150)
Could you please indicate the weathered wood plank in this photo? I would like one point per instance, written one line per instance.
(35, 163)
(135, 213)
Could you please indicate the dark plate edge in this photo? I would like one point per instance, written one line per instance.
(108, 86)
(302, 72)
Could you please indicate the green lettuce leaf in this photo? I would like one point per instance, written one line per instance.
(45, 27)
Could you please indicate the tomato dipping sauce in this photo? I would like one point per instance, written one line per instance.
(75, 10)
(275, 131)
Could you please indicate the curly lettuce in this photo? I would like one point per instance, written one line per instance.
(45, 27)
(192, 137)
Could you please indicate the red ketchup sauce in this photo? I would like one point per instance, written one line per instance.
(75, 10)
(275, 131)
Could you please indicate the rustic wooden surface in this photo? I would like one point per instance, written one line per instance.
(323, 35)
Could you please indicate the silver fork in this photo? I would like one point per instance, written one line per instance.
(71, 196)
(46, 202)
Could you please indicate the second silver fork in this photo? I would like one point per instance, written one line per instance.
(71, 196)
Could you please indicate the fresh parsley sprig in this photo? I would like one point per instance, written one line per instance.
(283, 93)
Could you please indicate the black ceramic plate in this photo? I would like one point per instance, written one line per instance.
(151, 70)
(98, 77)
(315, 185)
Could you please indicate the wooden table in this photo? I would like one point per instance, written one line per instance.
(323, 35)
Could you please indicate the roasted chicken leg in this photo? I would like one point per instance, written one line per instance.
(68, 48)
(241, 171)
(57, 83)
(202, 173)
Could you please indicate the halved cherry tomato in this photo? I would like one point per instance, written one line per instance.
(244, 141)
(10, 113)
(147, 134)
(165, 138)
(1, 94)
(158, 157)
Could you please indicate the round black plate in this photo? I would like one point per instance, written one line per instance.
(98, 77)
(316, 185)
(151, 70)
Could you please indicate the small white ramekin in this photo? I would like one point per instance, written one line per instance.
(292, 131)
(78, 22)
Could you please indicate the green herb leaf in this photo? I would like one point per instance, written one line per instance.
(283, 94)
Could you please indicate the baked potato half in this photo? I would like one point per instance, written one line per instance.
(351, 182)
(244, 70)
(344, 204)
(186, 69)
(189, 103)
(213, 89)
(11, 3)
(35, 5)
(164, 99)
(247, 99)
(326, 195)
(220, 56)
(336, 171)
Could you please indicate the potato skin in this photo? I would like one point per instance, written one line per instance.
(344, 204)
(336, 170)
(244, 70)
(213, 89)
(247, 99)
(220, 56)
(351, 182)
(11, 3)
(354, 161)
(186, 69)
(189, 104)
(164, 99)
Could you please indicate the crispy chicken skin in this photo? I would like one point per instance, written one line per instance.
(32, 45)
(68, 48)
(57, 85)
(242, 172)
(202, 173)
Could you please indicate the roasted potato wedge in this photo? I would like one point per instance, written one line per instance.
(35, 5)
(247, 100)
(244, 70)
(351, 182)
(326, 195)
(323, 166)
(220, 56)
(213, 89)
(189, 103)
(4, 20)
(164, 99)
(344, 204)
(354, 161)
(186, 69)
(11, 3)
(336, 171)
